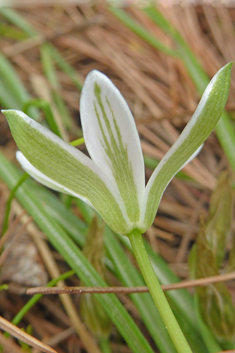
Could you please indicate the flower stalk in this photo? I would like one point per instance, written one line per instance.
(157, 293)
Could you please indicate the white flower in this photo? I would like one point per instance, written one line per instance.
(113, 181)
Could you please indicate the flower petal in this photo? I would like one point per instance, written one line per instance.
(195, 133)
(43, 179)
(112, 139)
(69, 168)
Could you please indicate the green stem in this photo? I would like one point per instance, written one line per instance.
(77, 142)
(157, 294)
(104, 345)
(9, 201)
(23, 311)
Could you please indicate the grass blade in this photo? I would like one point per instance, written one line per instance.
(68, 69)
(139, 30)
(76, 260)
(18, 20)
(9, 201)
(50, 72)
(13, 85)
(45, 106)
(19, 316)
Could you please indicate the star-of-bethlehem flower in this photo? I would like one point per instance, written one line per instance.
(112, 181)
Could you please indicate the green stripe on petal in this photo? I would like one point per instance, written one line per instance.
(113, 141)
(43, 179)
(195, 133)
(68, 167)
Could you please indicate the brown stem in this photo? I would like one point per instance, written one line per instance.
(128, 290)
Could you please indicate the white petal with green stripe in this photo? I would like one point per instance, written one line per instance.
(112, 139)
(195, 133)
(43, 179)
(68, 168)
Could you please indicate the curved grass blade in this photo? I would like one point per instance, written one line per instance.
(45, 106)
(76, 260)
(20, 315)
(51, 74)
(13, 86)
(138, 29)
(9, 201)
(18, 20)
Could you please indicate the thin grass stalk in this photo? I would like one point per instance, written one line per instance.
(45, 106)
(50, 72)
(13, 86)
(9, 201)
(20, 315)
(18, 20)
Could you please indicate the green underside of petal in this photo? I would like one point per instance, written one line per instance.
(117, 156)
(191, 140)
(58, 164)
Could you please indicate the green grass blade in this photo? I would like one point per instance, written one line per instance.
(45, 106)
(50, 72)
(224, 129)
(139, 30)
(68, 69)
(20, 315)
(193, 66)
(8, 74)
(7, 100)
(76, 260)
(7, 31)
(13, 85)
(226, 136)
(9, 201)
(18, 20)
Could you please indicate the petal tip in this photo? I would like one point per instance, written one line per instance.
(6, 111)
(225, 70)
(10, 112)
(96, 75)
(230, 64)
(18, 154)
